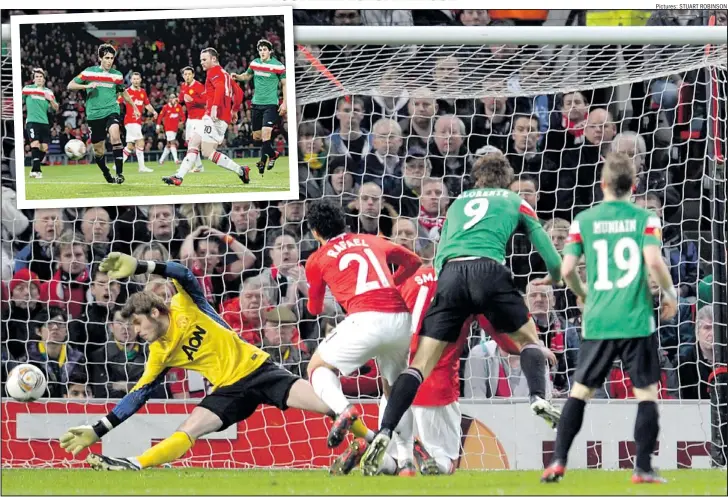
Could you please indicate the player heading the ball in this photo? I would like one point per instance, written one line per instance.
(223, 98)
(37, 99)
(102, 83)
(189, 334)
(266, 72)
(472, 279)
(133, 123)
(621, 243)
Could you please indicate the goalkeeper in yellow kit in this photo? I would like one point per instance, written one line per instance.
(189, 334)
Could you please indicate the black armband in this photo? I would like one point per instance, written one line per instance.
(153, 267)
(105, 425)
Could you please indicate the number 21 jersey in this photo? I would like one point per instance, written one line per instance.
(355, 268)
(612, 236)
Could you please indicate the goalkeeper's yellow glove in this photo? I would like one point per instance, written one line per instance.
(78, 438)
(118, 265)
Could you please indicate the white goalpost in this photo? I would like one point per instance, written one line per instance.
(485, 79)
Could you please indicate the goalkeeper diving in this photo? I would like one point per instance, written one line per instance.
(189, 334)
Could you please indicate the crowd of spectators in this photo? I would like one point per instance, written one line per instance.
(159, 52)
(395, 165)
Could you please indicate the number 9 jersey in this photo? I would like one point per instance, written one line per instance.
(612, 237)
(480, 223)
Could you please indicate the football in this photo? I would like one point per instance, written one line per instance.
(26, 383)
(75, 149)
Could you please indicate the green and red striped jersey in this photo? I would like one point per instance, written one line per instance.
(266, 76)
(36, 100)
(101, 101)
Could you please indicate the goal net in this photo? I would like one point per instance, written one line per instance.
(390, 123)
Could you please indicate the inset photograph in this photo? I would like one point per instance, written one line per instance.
(141, 108)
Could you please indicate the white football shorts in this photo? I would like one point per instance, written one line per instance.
(192, 125)
(211, 131)
(439, 429)
(366, 335)
(133, 132)
(171, 135)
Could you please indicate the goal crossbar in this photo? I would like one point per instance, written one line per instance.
(535, 35)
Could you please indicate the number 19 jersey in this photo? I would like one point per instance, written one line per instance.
(612, 236)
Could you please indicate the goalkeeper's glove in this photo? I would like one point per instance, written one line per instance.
(118, 265)
(78, 438)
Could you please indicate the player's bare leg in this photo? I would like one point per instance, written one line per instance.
(37, 154)
(200, 422)
(118, 150)
(534, 363)
(100, 158)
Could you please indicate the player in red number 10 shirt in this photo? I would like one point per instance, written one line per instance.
(356, 269)
(223, 100)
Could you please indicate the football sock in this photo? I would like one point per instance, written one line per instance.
(404, 437)
(174, 153)
(400, 399)
(226, 162)
(127, 154)
(198, 161)
(646, 428)
(359, 429)
(327, 386)
(389, 465)
(101, 162)
(119, 158)
(569, 425)
(37, 157)
(533, 363)
(140, 157)
(168, 450)
(445, 465)
(187, 162)
(266, 150)
(165, 154)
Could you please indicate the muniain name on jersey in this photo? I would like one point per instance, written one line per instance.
(610, 227)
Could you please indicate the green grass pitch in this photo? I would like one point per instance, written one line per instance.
(264, 482)
(85, 181)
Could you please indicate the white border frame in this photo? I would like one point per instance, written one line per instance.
(20, 170)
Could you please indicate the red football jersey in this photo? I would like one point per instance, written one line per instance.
(171, 117)
(442, 387)
(195, 108)
(140, 99)
(355, 268)
(220, 93)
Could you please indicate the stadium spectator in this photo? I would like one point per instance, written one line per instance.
(77, 387)
(68, 285)
(279, 331)
(95, 226)
(554, 333)
(340, 182)
(244, 313)
(12, 225)
(88, 333)
(402, 189)
(433, 206)
(244, 217)
(146, 224)
(524, 157)
(50, 352)
(383, 160)
(349, 139)
(698, 360)
(37, 256)
(417, 129)
(369, 213)
(23, 310)
(521, 256)
(311, 159)
(491, 125)
(390, 101)
(449, 154)
(152, 251)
